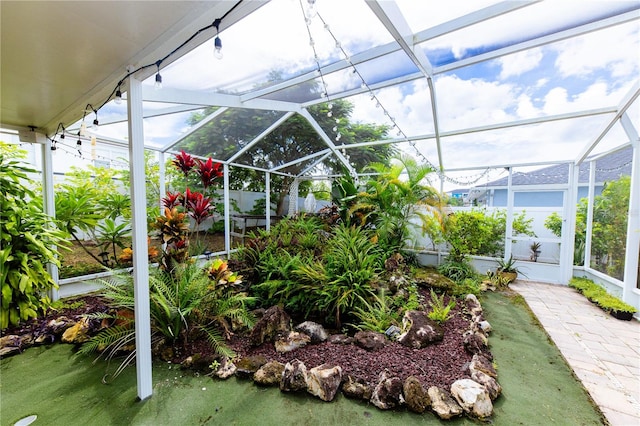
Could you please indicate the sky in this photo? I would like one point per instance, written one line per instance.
(591, 71)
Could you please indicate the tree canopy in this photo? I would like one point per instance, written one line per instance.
(294, 139)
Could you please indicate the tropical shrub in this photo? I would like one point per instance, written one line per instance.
(188, 303)
(393, 199)
(477, 232)
(609, 230)
(28, 241)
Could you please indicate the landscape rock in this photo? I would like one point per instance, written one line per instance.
(421, 330)
(369, 340)
(274, 321)
(77, 333)
(443, 404)
(430, 278)
(388, 392)
(10, 341)
(476, 343)
(485, 327)
(324, 381)
(480, 363)
(226, 369)
(473, 305)
(340, 339)
(269, 374)
(315, 331)
(58, 325)
(472, 397)
(416, 397)
(248, 365)
(357, 388)
(294, 377)
(8, 351)
(291, 341)
(490, 384)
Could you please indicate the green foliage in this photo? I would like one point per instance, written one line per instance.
(440, 312)
(292, 140)
(375, 316)
(352, 261)
(476, 232)
(393, 199)
(609, 230)
(600, 296)
(466, 286)
(111, 235)
(507, 265)
(28, 238)
(187, 303)
(457, 270)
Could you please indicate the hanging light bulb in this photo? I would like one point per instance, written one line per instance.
(217, 43)
(83, 129)
(158, 83)
(79, 143)
(217, 52)
(118, 99)
(96, 125)
(311, 9)
(53, 145)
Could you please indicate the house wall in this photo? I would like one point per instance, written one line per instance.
(536, 199)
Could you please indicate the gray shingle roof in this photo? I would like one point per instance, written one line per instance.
(608, 169)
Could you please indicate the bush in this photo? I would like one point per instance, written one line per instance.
(27, 236)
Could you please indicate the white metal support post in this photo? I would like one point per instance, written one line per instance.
(633, 221)
(508, 237)
(569, 226)
(227, 210)
(49, 202)
(139, 239)
(591, 199)
(267, 197)
(161, 180)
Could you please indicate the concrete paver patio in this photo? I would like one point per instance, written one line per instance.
(603, 352)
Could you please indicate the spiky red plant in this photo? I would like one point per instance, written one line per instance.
(184, 162)
(208, 171)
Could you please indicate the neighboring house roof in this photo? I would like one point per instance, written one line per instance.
(608, 169)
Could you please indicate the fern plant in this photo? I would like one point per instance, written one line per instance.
(376, 316)
(440, 312)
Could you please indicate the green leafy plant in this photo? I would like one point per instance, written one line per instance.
(375, 316)
(456, 269)
(600, 296)
(28, 241)
(440, 312)
(112, 235)
(507, 265)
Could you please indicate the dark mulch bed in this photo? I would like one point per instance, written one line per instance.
(439, 364)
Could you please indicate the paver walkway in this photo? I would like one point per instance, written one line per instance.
(603, 352)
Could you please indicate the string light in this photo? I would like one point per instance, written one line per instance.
(118, 98)
(217, 43)
(158, 83)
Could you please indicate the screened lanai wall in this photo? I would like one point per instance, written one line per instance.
(471, 89)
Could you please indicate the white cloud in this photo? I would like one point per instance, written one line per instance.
(615, 49)
(520, 62)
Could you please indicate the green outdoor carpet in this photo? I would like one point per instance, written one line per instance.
(61, 389)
